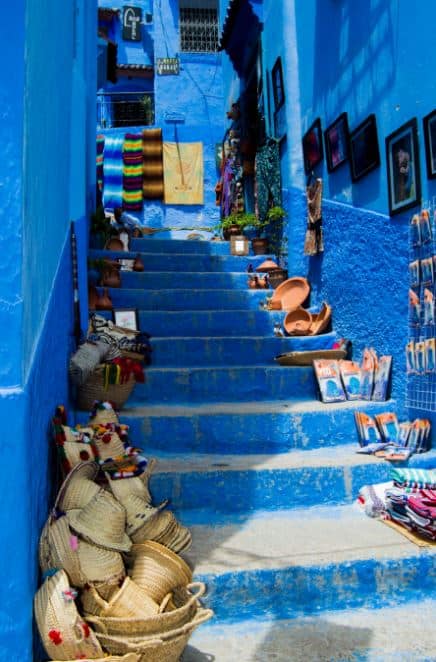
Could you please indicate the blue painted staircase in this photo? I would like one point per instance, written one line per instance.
(264, 473)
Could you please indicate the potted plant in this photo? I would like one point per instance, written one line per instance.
(234, 224)
(274, 228)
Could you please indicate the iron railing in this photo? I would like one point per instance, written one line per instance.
(119, 109)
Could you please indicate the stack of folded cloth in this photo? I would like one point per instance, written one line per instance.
(408, 500)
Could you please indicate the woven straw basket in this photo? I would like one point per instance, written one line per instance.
(102, 522)
(130, 657)
(104, 414)
(130, 601)
(158, 571)
(167, 647)
(93, 389)
(63, 633)
(185, 600)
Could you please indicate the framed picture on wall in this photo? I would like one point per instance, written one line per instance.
(312, 146)
(364, 149)
(429, 122)
(127, 318)
(336, 142)
(402, 162)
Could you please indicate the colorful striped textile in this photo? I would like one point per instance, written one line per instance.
(99, 162)
(113, 172)
(418, 478)
(132, 172)
(152, 167)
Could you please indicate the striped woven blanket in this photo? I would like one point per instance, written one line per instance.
(132, 172)
(418, 478)
(113, 171)
(153, 182)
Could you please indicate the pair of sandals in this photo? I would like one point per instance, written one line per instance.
(300, 322)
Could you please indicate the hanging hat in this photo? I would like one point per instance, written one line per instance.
(297, 322)
(98, 564)
(292, 293)
(103, 412)
(267, 265)
(102, 521)
(63, 632)
(79, 487)
(58, 549)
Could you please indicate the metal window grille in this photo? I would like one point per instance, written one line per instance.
(124, 109)
(198, 30)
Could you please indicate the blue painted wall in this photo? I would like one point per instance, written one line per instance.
(47, 177)
(196, 96)
(354, 57)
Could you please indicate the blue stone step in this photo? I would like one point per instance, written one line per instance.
(249, 350)
(175, 281)
(282, 565)
(210, 323)
(190, 299)
(246, 483)
(251, 427)
(389, 633)
(229, 383)
(156, 245)
(180, 262)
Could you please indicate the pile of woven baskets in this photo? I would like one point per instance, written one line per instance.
(115, 587)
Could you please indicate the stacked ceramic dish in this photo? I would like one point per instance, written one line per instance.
(114, 582)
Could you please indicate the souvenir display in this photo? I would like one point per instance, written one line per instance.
(329, 380)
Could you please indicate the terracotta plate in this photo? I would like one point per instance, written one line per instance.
(292, 293)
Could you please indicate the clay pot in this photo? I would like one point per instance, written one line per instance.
(104, 301)
(231, 231)
(259, 245)
(92, 297)
(111, 276)
(138, 264)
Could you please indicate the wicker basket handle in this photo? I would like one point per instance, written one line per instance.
(200, 589)
(96, 620)
(78, 629)
(200, 617)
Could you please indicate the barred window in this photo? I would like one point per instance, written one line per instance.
(198, 26)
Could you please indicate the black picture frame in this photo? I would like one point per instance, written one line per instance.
(336, 142)
(364, 148)
(127, 318)
(312, 146)
(429, 126)
(403, 170)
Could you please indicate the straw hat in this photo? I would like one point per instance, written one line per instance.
(75, 452)
(58, 549)
(129, 601)
(100, 565)
(63, 632)
(139, 512)
(108, 443)
(164, 528)
(158, 573)
(137, 485)
(103, 413)
(185, 604)
(102, 521)
(129, 657)
(79, 487)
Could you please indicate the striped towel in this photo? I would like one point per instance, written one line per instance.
(419, 478)
(152, 148)
(132, 172)
(100, 150)
(113, 171)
